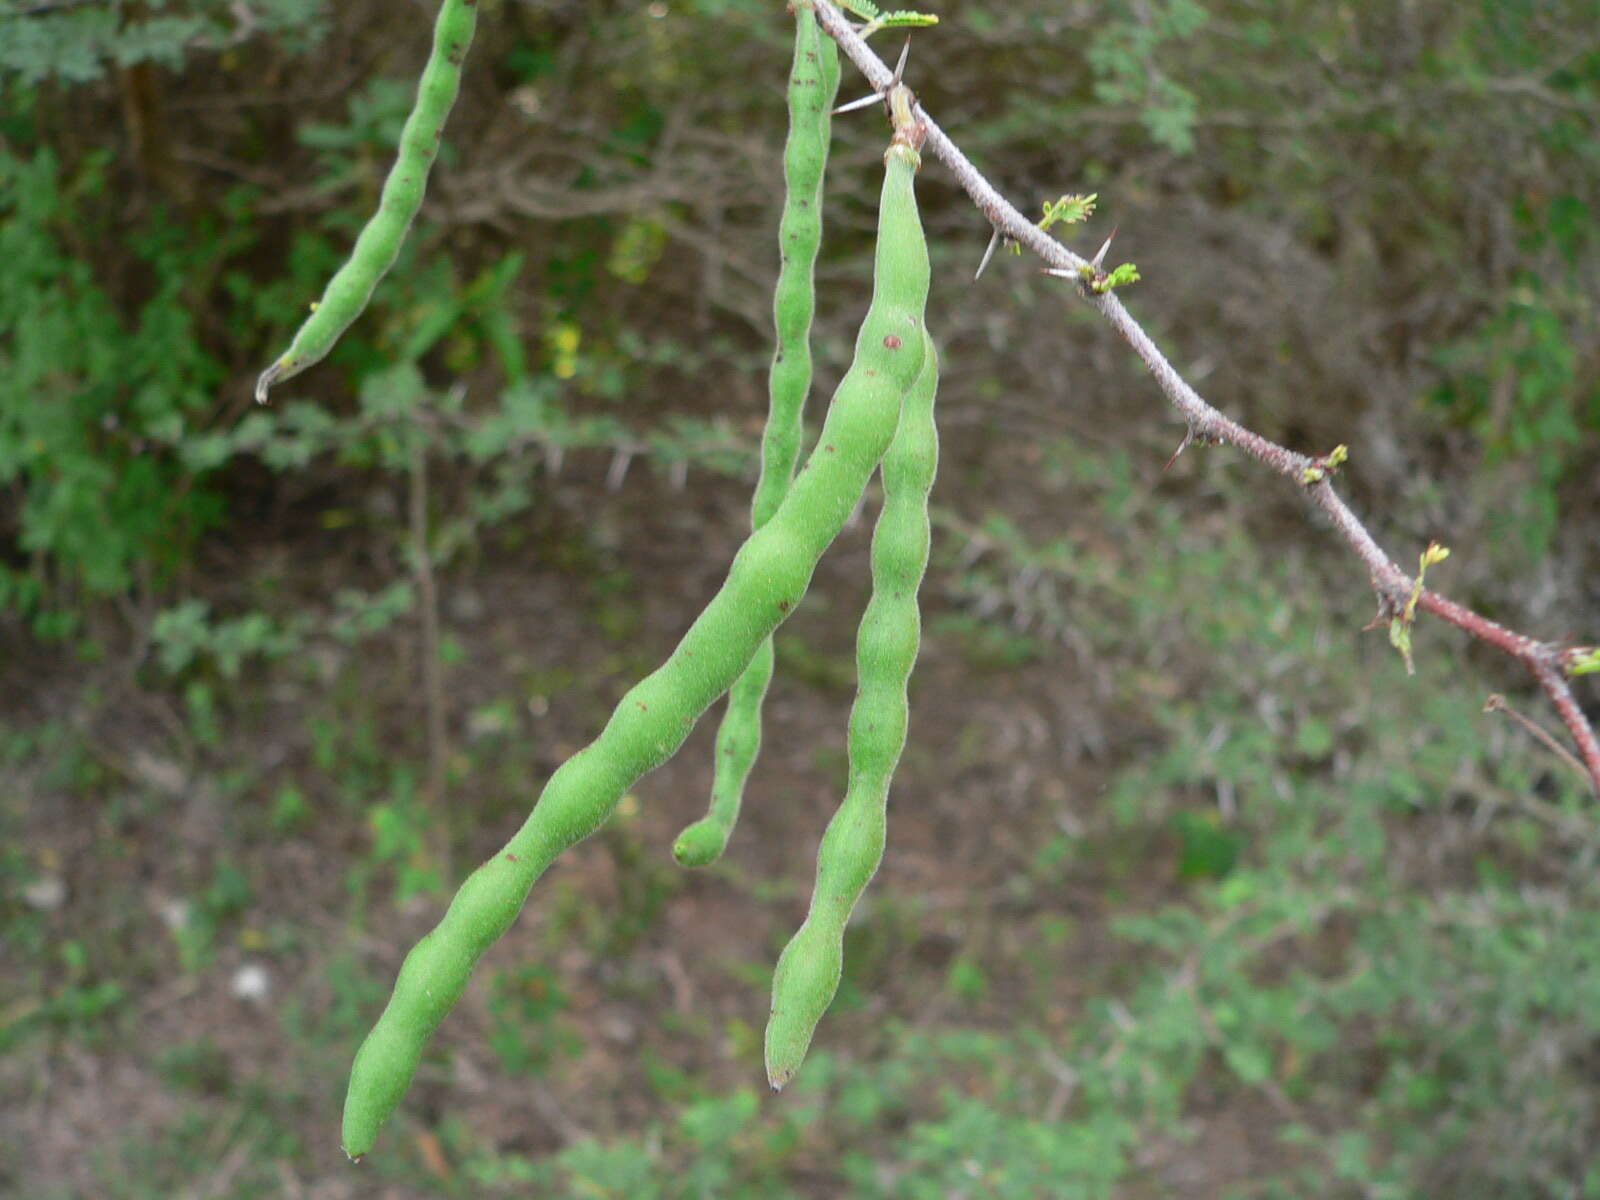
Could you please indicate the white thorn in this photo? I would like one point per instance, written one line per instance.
(905, 53)
(994, 240)
(861, 103)
(1100, 258)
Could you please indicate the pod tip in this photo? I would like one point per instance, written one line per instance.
(266, 380)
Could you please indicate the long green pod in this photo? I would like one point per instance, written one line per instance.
(767, 579)
(813, 83)
(378, 245)
(808, 971)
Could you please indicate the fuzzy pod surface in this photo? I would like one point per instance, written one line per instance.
(768, 576)
(379, 242)
(813, 83)
(808, 971)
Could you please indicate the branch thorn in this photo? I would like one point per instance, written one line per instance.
(994, 242)
(900, 67)
(875, 98)
(1098, 261)
(1497, 703)
(883, 93)
(1188, 437)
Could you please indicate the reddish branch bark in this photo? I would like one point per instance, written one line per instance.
(1548, 662)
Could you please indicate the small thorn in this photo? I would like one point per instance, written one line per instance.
(994, 241)
(1100, 258)
(1188, 437)
(861, 103)
(900, 67)
(1059, 272)
(1497, 703)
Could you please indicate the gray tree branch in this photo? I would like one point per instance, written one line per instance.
(1550, 663)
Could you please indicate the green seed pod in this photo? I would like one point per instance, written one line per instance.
(379, 242)
(886, 649)
(765, 582)
(813, 82)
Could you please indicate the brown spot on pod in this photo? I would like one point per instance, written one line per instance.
(893, 341)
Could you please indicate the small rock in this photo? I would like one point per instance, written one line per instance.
(46, 893)
(252, 982)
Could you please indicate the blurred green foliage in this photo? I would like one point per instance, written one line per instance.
(87, 388)
(197, 923)
(530, 1032)
(78, 41)
(1517, 379)
(1127, 42)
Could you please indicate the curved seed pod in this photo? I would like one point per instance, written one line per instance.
(813, 82)
(738, 743)
(886, 649)
(768, 576)
(377, 246)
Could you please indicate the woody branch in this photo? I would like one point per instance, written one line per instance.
(1549, 663)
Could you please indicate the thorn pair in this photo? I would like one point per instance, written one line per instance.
(1096, 264)
(899, 71)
